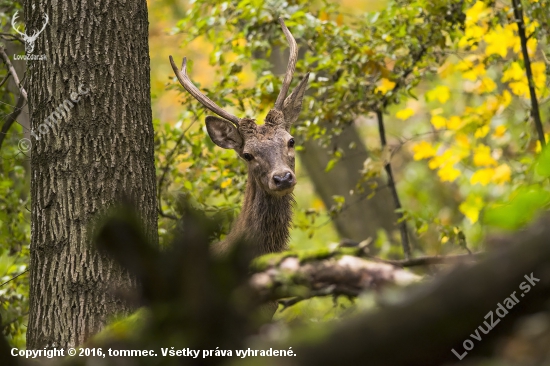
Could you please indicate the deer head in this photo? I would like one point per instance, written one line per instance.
(268, 149)
(29, 40)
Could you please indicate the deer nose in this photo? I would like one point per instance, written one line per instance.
(283, 180)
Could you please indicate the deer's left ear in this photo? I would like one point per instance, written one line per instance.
(293, 103)
(223, 133)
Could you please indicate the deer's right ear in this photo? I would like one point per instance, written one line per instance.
(223, 133)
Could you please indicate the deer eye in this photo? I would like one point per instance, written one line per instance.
(248, 157)
(291, 143)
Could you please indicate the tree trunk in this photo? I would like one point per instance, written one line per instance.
(361, 217)
(97, 153)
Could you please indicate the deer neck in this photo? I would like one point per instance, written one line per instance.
(264, 221)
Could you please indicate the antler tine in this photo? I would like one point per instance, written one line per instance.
(196, 93)
(46, 20)
(13, 20)
(290, 67)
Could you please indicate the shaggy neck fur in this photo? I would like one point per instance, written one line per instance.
(264, 221)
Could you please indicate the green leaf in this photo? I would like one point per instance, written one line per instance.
(543, 163)
(522, 208)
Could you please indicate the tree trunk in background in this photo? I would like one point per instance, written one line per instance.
(100, 153)
(361, 217)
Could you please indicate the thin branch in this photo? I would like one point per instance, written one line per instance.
(13, 278)
(165, 169)
(7, 324)
(12, 71)
(5, 79)
(11, 37)
(12, 117)
(535, 113)
(427, 261)
(165, 215)
(391, 183)
(387, 166)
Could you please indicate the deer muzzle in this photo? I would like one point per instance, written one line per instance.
(282, 181)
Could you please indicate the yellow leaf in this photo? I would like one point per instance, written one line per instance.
(385, 86)
(520, 88)
(497, 41)
(404, 114)
(482, 156)
(476, 12)
(502, 174)
(423, 150)
(462, 140)
(538, 148)
(513, 72)
(471, 207)
(506, 98)
(499, 131)
(487, 85)
(473, 73)
(481, 132)
(454, 123)
(226, 183)
(448, 173)
(439, 122)
(482, 176)
(532, 46)
(440, 92)
(539, 74)
(443, 159)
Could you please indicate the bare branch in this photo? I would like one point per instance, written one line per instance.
(11, 118)
(535, 113)
(12, 71)
(345, 275)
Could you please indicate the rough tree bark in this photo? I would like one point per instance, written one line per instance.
(99, 153)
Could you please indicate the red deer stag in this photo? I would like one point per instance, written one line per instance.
(268, 150)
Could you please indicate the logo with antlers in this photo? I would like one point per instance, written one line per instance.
(29, 40)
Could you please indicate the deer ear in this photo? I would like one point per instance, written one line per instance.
(223, 133)
(293, 103)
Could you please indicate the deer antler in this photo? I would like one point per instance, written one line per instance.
(195, 92)
(292, 58)
(13, 20)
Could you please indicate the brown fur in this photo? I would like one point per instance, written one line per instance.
(266, 215)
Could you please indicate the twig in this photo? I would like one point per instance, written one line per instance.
(387, 166)
(5, 79)
(7, 324)
(12, 71)
(12, 117)
(169, 158)
(13, 278)
(11, 37)
(535, 113)
(391, 183)
(427, 261)
(165, 215)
